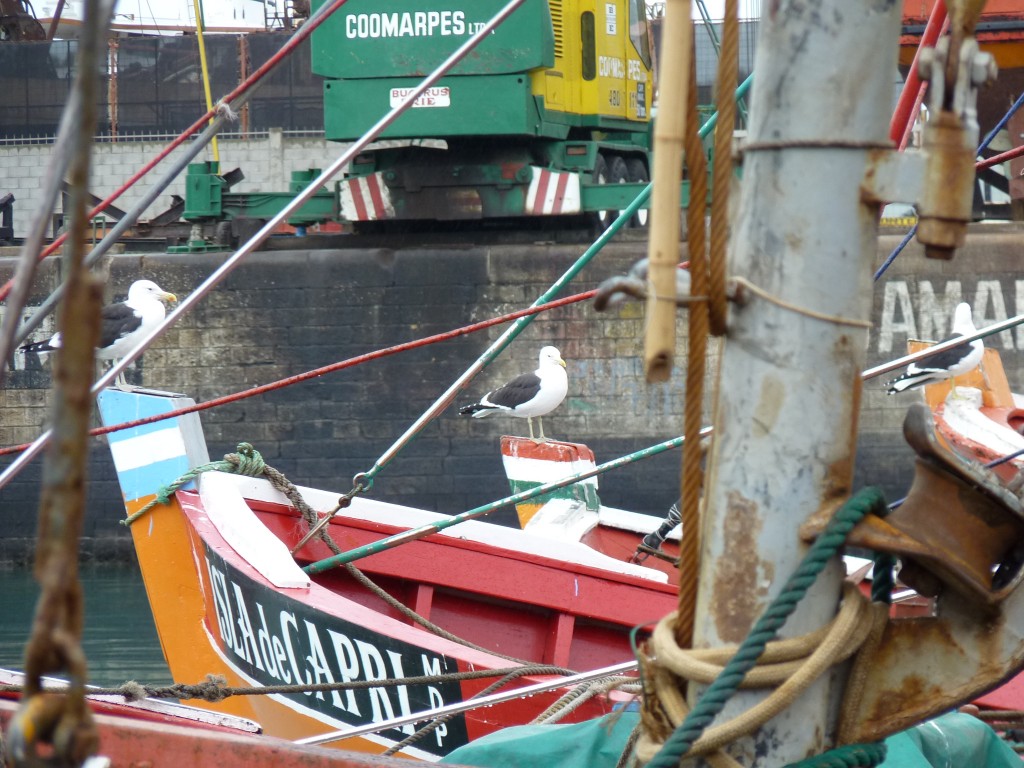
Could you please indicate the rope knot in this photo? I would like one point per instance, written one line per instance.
(133, 691)
(224, 108)
(213, 689)
(246, 461)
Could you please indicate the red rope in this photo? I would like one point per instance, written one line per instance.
(293, 42)
(352, 361)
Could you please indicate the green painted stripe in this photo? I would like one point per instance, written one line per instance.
(584, 492)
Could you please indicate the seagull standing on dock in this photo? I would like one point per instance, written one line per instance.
(123, 325)
(528, 395)
(949, 364)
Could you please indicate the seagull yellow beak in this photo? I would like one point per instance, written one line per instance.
(561, 362)
(169, 297)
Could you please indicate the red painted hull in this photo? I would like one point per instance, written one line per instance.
(131, 740)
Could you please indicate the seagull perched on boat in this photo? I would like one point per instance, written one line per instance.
(528, 395)
(949, 364)
(122, 325)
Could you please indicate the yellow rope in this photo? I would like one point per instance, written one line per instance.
(693, 418)
(856, 683)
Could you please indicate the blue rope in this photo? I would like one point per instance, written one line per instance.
(896, 252)
(766, 627)
(1001, 124)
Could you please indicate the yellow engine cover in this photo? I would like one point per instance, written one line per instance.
(603, 64)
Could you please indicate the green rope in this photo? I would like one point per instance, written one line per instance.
(883, 578)
(247, 461)
(847, 756)
(766, 627)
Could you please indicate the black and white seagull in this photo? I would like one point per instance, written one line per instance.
(949, 364)
(123, 325)
(529, 395)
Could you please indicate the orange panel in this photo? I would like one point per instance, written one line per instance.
(989, 377)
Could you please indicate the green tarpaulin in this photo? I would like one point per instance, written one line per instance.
(951, 740)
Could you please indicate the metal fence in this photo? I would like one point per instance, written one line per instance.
(154, 85)
(706, 39)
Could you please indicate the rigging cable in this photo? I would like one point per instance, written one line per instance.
(298, 201)
(390, 542)
(909, 103)
(217, 115)
(333, 367)
(300, 35)
(696, 365)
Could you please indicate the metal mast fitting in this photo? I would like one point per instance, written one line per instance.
(950, 142)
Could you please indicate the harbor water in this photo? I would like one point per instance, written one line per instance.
(119, 638)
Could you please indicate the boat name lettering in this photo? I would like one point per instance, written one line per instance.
(409, 24)
(279, 641)
(920, 310)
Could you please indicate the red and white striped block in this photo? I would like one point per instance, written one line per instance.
(366, 198)
(552, 192)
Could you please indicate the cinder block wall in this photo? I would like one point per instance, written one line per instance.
(267, 162)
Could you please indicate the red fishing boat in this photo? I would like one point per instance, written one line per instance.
(229, 599)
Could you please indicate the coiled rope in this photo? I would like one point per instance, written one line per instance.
(689, 737)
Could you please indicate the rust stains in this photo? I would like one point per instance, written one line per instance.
(741, 578)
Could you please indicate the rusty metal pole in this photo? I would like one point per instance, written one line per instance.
(55, 21)
(243, 75)
(786, 420)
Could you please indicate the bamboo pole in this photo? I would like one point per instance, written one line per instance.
(663, 246)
